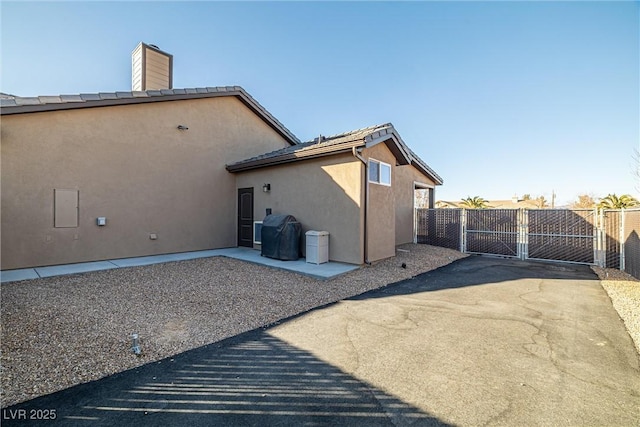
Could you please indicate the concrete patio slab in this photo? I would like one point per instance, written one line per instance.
(156, 259)
(322, 271)
(83, 267)
(301, 266)
(16, 275)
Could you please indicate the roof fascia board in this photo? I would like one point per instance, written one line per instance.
(430, 174)
(253, 105)
(405, 157)
(392, 134)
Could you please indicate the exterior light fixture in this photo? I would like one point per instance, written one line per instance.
(266, 188)
(182, 127)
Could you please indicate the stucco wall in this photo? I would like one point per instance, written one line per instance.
(381, 223)
(403, 191)
(323, 194)
(132, 166)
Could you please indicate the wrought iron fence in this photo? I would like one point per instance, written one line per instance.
(608, 238)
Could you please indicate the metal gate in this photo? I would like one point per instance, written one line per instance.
(607, 238)
(620, 237)
(545, 234)
(562, 235)
(612, 236)
(492, 231)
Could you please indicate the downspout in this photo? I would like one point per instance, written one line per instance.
(366, 200)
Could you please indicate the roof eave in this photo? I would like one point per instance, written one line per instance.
(397, 146)
(429, 173)
(292, 157)
(403, 155)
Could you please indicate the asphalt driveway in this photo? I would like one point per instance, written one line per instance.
(482, 341)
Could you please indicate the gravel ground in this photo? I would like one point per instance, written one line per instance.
(624, 291)
(66, 330)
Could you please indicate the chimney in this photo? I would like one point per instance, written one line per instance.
(151, 68)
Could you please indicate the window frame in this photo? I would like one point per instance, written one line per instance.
(379, 164)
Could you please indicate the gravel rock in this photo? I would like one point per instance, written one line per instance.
(624, 291)
(66, 330)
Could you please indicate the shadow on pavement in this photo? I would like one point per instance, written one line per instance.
(481, 270)
(251, 379)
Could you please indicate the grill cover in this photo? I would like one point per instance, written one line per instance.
(281, 237)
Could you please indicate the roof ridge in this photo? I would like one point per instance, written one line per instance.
(355, 131)
(82, 96)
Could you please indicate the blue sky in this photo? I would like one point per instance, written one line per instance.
(500, 98)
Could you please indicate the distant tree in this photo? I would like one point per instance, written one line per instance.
(421, 197)
(526, 197)
(585, 201)
(614, 202)
(541, 202)
(475, 203)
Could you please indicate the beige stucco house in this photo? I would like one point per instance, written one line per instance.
(359, 186)
(115, 175)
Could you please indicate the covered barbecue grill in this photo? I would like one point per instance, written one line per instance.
(281, 237)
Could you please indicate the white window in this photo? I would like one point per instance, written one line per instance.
(379, 172)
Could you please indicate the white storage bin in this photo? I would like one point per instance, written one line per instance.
(317, 246)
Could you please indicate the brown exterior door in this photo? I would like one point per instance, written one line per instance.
(245, 217)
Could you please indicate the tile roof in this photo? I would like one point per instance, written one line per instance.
(329, 145)
(321, 146)
(20, 105)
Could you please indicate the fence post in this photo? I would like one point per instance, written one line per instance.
(622, 260)
(603, 239)
(520, 238)
(415, 225)
(463, 231)
(523, 230)
(598, 225)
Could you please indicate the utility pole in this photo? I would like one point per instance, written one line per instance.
(553, 199)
